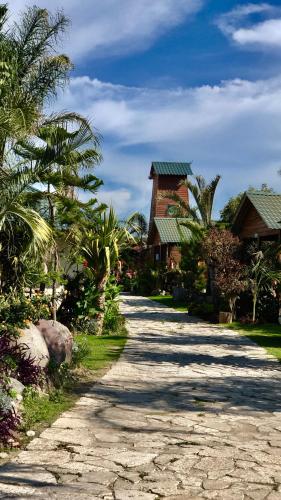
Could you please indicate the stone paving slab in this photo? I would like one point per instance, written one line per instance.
(189, 411)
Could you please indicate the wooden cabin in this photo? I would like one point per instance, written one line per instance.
(258, 217)
(164, 236)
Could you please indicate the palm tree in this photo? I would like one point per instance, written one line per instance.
(137, 225)
(15, 216)
(101, 247)
(60, 156)
(30, 71)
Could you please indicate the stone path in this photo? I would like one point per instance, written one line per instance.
(190, 411)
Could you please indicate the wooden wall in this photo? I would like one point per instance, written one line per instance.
(253, 224)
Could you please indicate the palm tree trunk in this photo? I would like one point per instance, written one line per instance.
(254, 307)
(101, 304)
(55, 257)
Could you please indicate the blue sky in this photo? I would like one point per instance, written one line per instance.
(183, 80)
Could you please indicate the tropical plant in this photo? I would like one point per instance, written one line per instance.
(23, 231)
(100, 247)
(263, 273)
(137, 226)
(203, 194)
(61, 155)
(31, 72)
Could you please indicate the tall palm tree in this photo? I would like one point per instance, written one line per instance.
(30, 71)
(101, 248)
(200, 217)
(60, 156)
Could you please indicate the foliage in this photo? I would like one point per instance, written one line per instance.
(17, 363)
(202, 310)
(229, 210)
(80, 351)
(18, 310)
(203, 194)
(138, 227)
(100, 247)
(9, 422)
(223, 252)
(39, 408)
(263, 273)
(194, 267)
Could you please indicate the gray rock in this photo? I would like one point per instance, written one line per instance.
(17, 386)
(36, 344)
(58, 339)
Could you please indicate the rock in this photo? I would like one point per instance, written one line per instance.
(58, 339)
(3, 456)
(37, 347)
(17, 386)
(30, 434)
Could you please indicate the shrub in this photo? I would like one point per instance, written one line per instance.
(80, 351)
(204, 310)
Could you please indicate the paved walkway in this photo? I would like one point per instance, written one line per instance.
(190, 411)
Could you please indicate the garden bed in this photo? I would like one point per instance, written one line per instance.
(99, 355)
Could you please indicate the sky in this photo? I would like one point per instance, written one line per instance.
(175, 80)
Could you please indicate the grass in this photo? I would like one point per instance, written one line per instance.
(102, 351)
(167, 300)
(45, 409)
(267, 336)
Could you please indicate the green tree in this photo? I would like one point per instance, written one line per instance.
(137, 225)
(30, 71)
(100, 247)
(61, 156)
(203, 194)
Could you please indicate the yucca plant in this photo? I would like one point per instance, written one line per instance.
(100, 247)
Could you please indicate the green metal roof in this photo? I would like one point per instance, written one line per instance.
(170, 168)
(268, 205)
(168, 229)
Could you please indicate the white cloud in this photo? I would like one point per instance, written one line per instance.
(116, 26)
(233, 128)
(266, 33)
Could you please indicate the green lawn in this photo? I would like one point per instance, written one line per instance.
(167, 300)
(267, 336)
(102, 351)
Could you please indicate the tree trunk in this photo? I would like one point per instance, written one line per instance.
(101, 305)
(254, 307)
(54, 291)
(55, 256)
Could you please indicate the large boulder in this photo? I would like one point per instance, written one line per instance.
(36, 344)
(58, 339)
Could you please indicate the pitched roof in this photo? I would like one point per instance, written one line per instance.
(170, 168)
(268, 206)
(169, 231)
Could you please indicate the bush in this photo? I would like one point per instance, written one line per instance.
(204, 310)
(80, 351)
(17, 309)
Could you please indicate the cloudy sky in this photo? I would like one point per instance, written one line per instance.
(183, 80)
